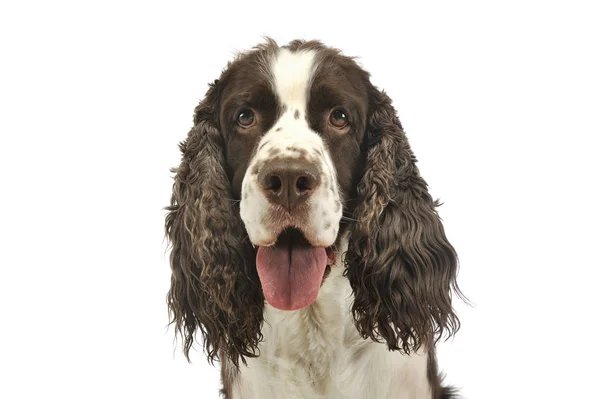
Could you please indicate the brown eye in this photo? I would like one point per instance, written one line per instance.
(246, 118)
(338, 118)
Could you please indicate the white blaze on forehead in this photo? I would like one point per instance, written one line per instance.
(292, 73)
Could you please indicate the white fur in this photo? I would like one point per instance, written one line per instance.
(292, 74)
(317, 352)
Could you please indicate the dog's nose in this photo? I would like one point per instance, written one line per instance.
(289, 183)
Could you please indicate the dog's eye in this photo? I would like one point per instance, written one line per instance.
(246, 118)
(338, 118)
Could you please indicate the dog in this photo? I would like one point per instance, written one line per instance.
(306, 248)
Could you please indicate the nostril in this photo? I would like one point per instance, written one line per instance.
(305, 183)
(274, 183)
(302, 184)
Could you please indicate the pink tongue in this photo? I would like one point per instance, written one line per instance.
(291, 278)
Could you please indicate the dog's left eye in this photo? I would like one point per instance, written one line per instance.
(246, 118)
(338, 118)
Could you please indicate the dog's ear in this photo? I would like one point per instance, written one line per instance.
(400, 265)
(214, 284)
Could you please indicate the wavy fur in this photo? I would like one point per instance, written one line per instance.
(400, 265)
(214, 284)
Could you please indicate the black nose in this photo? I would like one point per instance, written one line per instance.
(289, 183)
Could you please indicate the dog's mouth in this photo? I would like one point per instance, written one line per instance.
(291, 272)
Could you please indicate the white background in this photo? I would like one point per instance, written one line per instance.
(500, 101)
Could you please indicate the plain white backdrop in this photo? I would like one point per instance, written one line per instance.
(501, 103)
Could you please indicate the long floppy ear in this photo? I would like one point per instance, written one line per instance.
(400, 265)
(214, 285)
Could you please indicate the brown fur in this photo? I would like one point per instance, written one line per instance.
(214, 284)
(400, 265)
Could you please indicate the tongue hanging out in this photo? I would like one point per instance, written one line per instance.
(291, 272)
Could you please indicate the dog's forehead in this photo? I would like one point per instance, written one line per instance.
(294, 78)
(292, 73)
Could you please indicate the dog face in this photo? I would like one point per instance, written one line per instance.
(294, 124)
(295, 141)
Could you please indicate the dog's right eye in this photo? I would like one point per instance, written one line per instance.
(246, 118)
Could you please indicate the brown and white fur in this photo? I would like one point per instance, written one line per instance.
(385, 295)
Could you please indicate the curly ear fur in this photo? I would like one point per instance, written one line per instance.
(214, 288)
(400, 265)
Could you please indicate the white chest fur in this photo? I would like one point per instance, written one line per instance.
(317, 352)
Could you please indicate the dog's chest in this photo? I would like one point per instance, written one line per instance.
(317, 353)
(300, 349)
(303, 348)
(304, 344)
